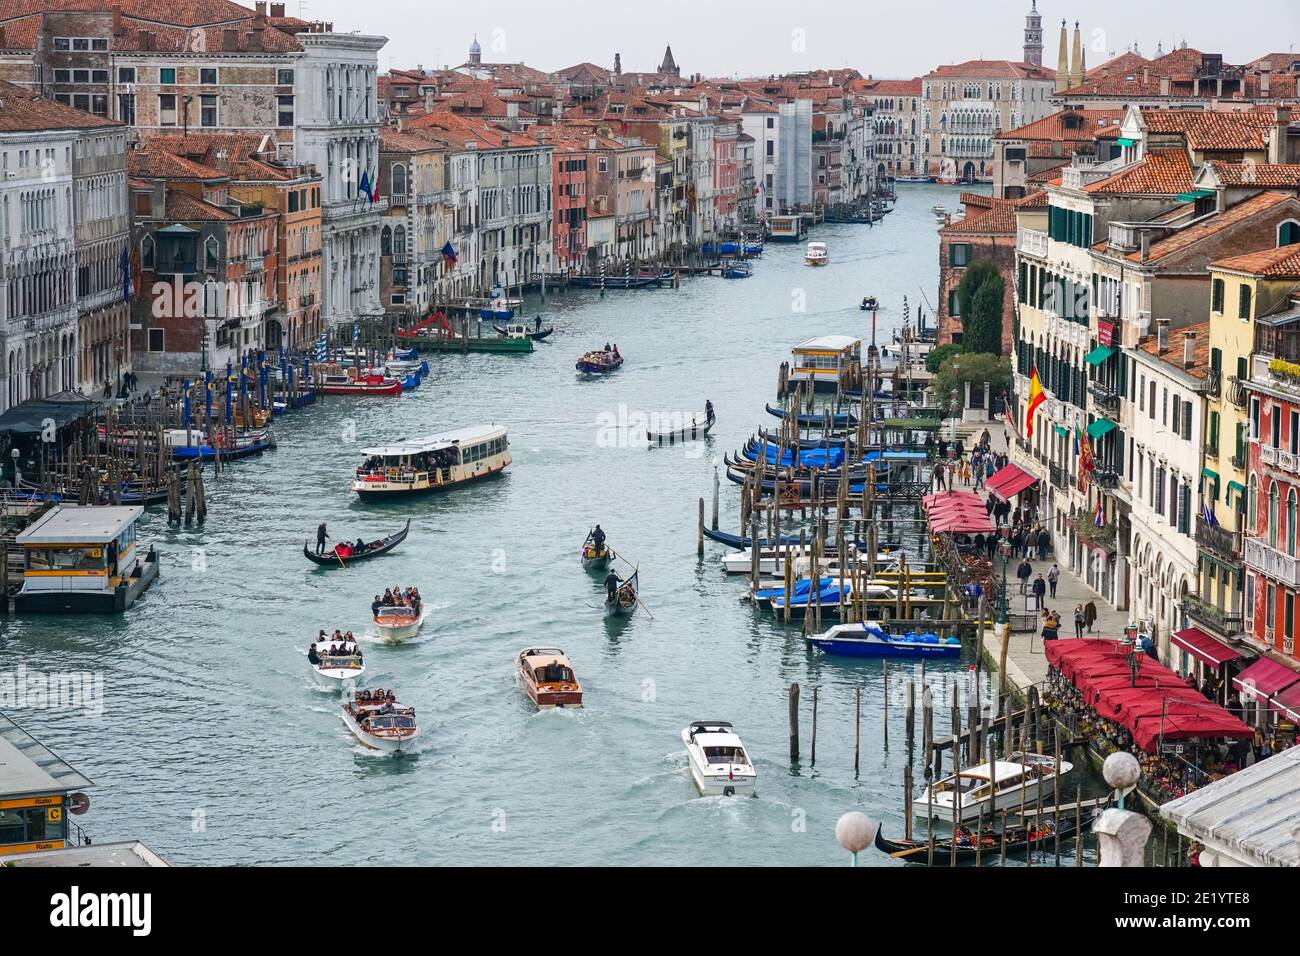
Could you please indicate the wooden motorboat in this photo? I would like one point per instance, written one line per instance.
(869, 304)
(350, 383)
(816, 254)
(433, 463)
(527, 331)
(548, 678)
(342, 555)
(738, 270)
(380, 722)
(593, 558)
(693, 431)
(1003, 785)
(624, 600)
(719, 764)
(600, 362)
(868, 640)
(335, 662)
(990, 843)
(398, 622)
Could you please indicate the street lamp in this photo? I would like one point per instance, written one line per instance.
(1004, 546)
(855, 831)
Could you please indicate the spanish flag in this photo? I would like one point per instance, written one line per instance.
(1035, 399)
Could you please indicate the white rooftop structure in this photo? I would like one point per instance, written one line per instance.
(460, 436)
(29, 768)
(77, 524)
(828, 343)
(1249, 818)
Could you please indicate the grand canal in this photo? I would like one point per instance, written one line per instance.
(214, 747)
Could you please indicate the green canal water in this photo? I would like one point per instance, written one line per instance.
(214, 746)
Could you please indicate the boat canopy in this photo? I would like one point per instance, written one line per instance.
(81, 524)
(414, 446)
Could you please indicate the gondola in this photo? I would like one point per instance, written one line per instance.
(594, 559)
(814, 420)
(332, 559)
(536, 336)
(739, 543)
(624, 600)
(1018, 841)
(692, 432)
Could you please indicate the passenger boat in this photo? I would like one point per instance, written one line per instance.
(692, 432)
(343, 554)
(548, 678)
(520, 329)
(350, 382)
(398, 622)
(938, 209)
(335, 669)
(816, 255)
(624, 600)
(989, 789)
(991, 846)
(594, 559)
(380, 722)
(737, 270)
(867, 640)
(433, 463)
(719, 764)
(913, 179)
(869, 304)
(600, 362)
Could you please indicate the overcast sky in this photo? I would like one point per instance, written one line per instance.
(755, 37)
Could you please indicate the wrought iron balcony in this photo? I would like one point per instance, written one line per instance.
(1107, 399)
(1106, 479)
(1236, 392)
(1238, 461)
(1225, 622)
(1212, 449)
(1220, 540)
(1213, 382)
(1058, 476)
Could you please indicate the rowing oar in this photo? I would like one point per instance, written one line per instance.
(902, 853)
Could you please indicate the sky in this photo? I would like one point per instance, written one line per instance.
(902, 38)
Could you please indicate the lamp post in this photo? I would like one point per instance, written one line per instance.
(855, 831)
(1004, 546)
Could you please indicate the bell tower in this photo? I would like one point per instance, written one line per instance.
(1034, 36)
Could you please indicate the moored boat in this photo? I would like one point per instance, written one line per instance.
(345, 553)
(868, 640)
(350, 382)
(990, 788)
(335, 661)
(600, 362)
(737, 270)
(548, 678)
(380, 722)
(519, 329)
(719, 764)
(398, 622)
(986, 846)
(433, 463)
(624, 600)
(816, 254)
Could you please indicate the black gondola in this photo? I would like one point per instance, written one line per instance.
(1018, 841)
(331, 558)
(692, 432)
(536, 336)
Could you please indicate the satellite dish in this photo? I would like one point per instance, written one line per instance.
(78, 803)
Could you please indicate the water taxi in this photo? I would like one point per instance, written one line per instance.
(719, 764)
(399, 622)
(868, 640)
(339, 381)
(433, 463)
(84, 560)
(816, 254)
(600, 362)
(548, 678)
(335, 662)
(988, 789)
(377, 720)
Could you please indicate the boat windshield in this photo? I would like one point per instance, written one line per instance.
(553, 674)
(725, 755)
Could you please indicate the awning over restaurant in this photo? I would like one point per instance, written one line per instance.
(1265, 678)
(1287, 703)
(1204, 647)
(958, 512)
(1009, 481)
(1099, 354)
(1100, 427)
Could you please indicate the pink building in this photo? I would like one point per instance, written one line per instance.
(726, 173)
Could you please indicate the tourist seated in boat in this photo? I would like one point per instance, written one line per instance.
(359, 547)
(337, 635)
(387, 599)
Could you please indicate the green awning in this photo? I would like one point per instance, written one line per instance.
(1211, 474)
(1237, 486)
(1062, 431)
(1100, 427)
(1240, 489)
(1099, 354)
(1125, 141)
(1195, 194)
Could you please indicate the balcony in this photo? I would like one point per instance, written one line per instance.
(1107, 399)
(1058, 476)
(396, 199)
(1031, 242)
(1106, 480)
(1213, 382)
(255, 264)
(1238, 461)
(1279, 458)
(1224, 622)
(307, 300)
(1219, 540)
(1279, 566)
(1237, 393)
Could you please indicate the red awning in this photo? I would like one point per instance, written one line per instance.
(1207, 649)
(958, 512)
(1265, 677)
(1009, 482)
(1287, 703)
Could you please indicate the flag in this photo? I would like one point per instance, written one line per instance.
(1099, 519)
(1006, 411)
(124, 269)
(1078, 436)
(449, 254)
(1207, 512)
(374, 189)
(365, 185)
(1036, 398)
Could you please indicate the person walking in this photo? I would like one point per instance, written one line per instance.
(938, 476)
(1053, 576)
(1044, 543)
(1039, 588)
(1078, 621)
(1023, 572)
(1090, 615)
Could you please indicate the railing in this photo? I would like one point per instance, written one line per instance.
(1238, 461)
(1213, 382)
(396, 199)
(1106, 480)
(308, 299)
(1032, 242)
(1106, 398)
(1274, 563)
(1277, 457)
(1218, 539)
(1225, 622)
(1212, 449)
(1058, 476)
(1237, 393)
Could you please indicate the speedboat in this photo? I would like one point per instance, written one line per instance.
(548, 678)
(816, 254)
(380, 722)
(868, 640)
(719, 764)
(397, 623)
(869, 304)
(938, 209)
(989, 788)
(336, 667)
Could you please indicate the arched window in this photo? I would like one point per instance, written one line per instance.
(146, 252)
(399, 179)
(1290, 522)
(1272, 516)
(1288, 233)
(399, 240)
(210, 249)
(386, 242)
(1252, 502)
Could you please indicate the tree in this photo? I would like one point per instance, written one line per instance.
(980, 295)
(935, 358)
(977, 367)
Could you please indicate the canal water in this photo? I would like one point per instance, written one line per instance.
(214, 747)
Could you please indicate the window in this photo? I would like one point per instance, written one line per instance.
(208, 111)
(1216, 296)
(167, 109)
(954, 303)
(959, 254)
(100, 44)
(126, 108)
(284, 77)
(99, 104)
(157, 340)
(62, 43)
(1272, 516)
(99, 76)
(126, 74)
(284, 112)
(81, 43)
(1243, 302)
(62, 76)
(1288, 233)
(211, 251)
(398, 178)
(208, 76)
(146, 252)
(167, 75)
(1290, 522)
(602, 164)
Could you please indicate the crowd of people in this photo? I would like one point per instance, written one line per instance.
(425, 461)
(337, 644)
(396, 596)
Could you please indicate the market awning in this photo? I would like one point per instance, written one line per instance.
(1287, 703)
(1204, 647)
(1265, 678)
(1100, 427)
(1099, 354)
(1008, 482)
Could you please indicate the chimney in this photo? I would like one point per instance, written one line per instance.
(277, 10)
(1162, 336)
(1145, 242)
(428, 101)
(1164, 86)
(260, 7)
(230, 40)
(255, 38)
(505, 139)
(117, 20)
(591, 143)
(146, 40)
(1277, 141)
(1189, 350)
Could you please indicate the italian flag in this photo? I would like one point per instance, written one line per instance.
(1036, 398)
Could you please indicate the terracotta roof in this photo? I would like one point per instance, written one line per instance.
(999, 219)
(1280, 263)
(1051, 176)
(1214, 129)
(158, 163)
(1055, 129)
(395, 141)
(1210, 226)
(22, 111)
(186, 13)
(182, 207)
(993, 70)
(1123, 64)
(1173, 353)
(1259, 175)
(1164, 172)
(1036, 200)
(912, 87)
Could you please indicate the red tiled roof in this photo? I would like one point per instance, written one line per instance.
(1164, 172)
(999, 219)
(1260, 175)
(1205, 228)
(1173, 353)
(912, 87)
(155, 162)
(1214, 129)
(185, 13)
(1055, 129)
(1036, 200)
(993, 70)
(21, 111)
(1280, 263)
(182, 207)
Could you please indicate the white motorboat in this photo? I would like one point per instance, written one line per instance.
(380, 722)
(335, 662)
(771, 561)
(816, 254)
(1005, 785)
(398, 623)
(938, 209)
(719, 764)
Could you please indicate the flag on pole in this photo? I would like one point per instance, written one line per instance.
(365, 185)
(1078, 437)
(1036, 398)
(449, 255)
(1100, 518)
(374, 189)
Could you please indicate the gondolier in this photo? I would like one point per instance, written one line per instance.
(612, 581)
(598, 539)
(322, 536)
